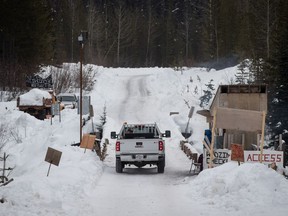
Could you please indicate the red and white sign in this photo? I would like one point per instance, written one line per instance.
(222, 156)
(268, 157)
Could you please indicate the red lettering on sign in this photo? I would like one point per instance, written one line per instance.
(266, 157)
(255, 157)
(278, 158)
(249, 158)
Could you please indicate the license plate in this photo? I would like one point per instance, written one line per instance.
(139, 157)
(139, 145)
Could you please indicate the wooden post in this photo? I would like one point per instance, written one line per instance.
(262, 135)
(213, 139)
(258, 142)
(232, 140)
(49, 169)
(225, 144)
(207, 147)
(228, 141)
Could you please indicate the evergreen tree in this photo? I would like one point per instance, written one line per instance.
(207, 96)
(100, 127)
(243, 76)
(278, 114)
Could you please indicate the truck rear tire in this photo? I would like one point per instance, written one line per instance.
(119, 165)
(161, 166)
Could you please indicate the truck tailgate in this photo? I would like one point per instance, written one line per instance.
(136, 146)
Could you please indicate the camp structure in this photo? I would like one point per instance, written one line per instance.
(229, 101)
(237, 116)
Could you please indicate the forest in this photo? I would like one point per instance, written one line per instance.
(148, 33)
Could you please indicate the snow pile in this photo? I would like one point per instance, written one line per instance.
(34, 97)
(32, 192)
(235, 188)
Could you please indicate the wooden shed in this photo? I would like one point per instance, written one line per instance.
(243, 97)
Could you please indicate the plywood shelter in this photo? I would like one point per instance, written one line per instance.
(246, 102)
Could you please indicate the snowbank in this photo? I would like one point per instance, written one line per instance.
(34, 97)
(235, 188)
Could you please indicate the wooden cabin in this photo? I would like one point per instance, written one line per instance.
(246, 97)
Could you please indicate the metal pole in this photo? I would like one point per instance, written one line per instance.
(81, 59)
(59, 112)
(186, 129)
(49, 169)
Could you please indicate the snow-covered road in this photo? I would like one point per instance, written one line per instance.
(135, 98)
(142, 191)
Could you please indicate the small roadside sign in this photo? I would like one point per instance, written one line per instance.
(88, 141)
(237, 153)
(91, 111)
(53, 156)
(191, 112)
(55, 109)
(85, 105)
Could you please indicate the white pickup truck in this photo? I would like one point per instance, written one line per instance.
(140, 144)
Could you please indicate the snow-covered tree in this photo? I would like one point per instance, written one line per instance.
(243, 76)
(207, 96)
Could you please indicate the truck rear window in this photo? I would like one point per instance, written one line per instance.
(140, 132)
(139, 136)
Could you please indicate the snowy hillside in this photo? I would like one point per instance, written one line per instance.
(84, 185)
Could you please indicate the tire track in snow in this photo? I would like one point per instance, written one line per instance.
(137, 93)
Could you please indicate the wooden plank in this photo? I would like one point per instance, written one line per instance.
(88, 141)
(53, 156)
(237, 119)
(207, 147)
(262, 136)
(213, 139)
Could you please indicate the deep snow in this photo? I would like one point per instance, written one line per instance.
(83, 185)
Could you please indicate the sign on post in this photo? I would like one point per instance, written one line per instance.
(222, 156)
(53, 156)
(55, 109)
(237, 153)
(85, 105)
(191, 112)
(268, 157)
(88, 141)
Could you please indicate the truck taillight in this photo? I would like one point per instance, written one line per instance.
(117, 146)
(161, 145)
